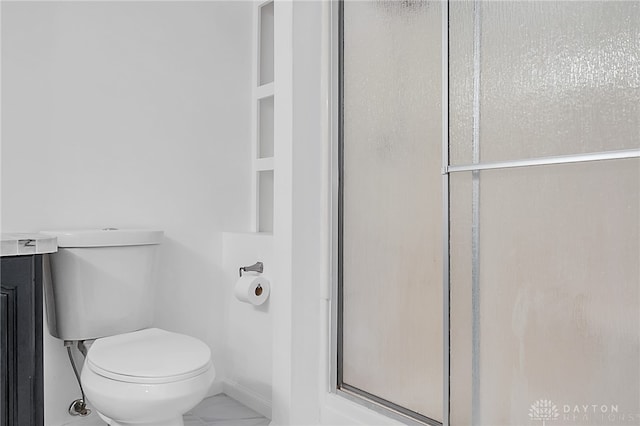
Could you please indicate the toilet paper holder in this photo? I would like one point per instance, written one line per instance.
(256, 267)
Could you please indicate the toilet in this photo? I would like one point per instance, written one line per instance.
(101, 291)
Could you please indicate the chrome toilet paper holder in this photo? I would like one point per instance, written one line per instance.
(256, 267)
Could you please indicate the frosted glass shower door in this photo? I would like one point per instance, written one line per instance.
(545, 275)
(559, 299)
(391, 249)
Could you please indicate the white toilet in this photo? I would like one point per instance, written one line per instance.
(102, 289)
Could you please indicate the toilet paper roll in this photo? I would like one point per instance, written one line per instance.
(252, 289)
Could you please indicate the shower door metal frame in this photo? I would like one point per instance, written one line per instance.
(335, 201)
(446, 291)
(336, 384)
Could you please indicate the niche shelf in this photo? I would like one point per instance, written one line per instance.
(263, 117)
(265, 42)
(265, 127)
(265, 201)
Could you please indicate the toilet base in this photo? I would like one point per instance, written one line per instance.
(140, 404)
(173, 422)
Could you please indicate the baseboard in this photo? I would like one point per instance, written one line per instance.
(248, 397)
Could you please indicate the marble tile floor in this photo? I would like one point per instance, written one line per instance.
(217, 410)
(221, 410)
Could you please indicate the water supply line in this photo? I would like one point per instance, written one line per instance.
(79, 406)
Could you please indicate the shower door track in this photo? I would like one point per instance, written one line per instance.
(390, 409)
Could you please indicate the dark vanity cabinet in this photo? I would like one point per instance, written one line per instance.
(21, 323)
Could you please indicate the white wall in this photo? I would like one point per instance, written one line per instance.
(248, 340)
(300, 206)
(310, 209)
(131, 114)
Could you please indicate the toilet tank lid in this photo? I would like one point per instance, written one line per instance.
(106, 237)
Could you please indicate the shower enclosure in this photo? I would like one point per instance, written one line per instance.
(488, 237)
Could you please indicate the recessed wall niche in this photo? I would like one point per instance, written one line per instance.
(263, 116)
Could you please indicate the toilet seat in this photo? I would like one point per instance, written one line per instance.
(149, 356)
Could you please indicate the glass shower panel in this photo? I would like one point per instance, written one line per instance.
(551, 78)
(391, 243)
(559, 301)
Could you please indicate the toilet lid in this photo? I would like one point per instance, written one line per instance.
(149, 356)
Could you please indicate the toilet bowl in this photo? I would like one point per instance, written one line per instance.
(147, 377)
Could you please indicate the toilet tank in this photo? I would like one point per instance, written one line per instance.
(101, 282)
